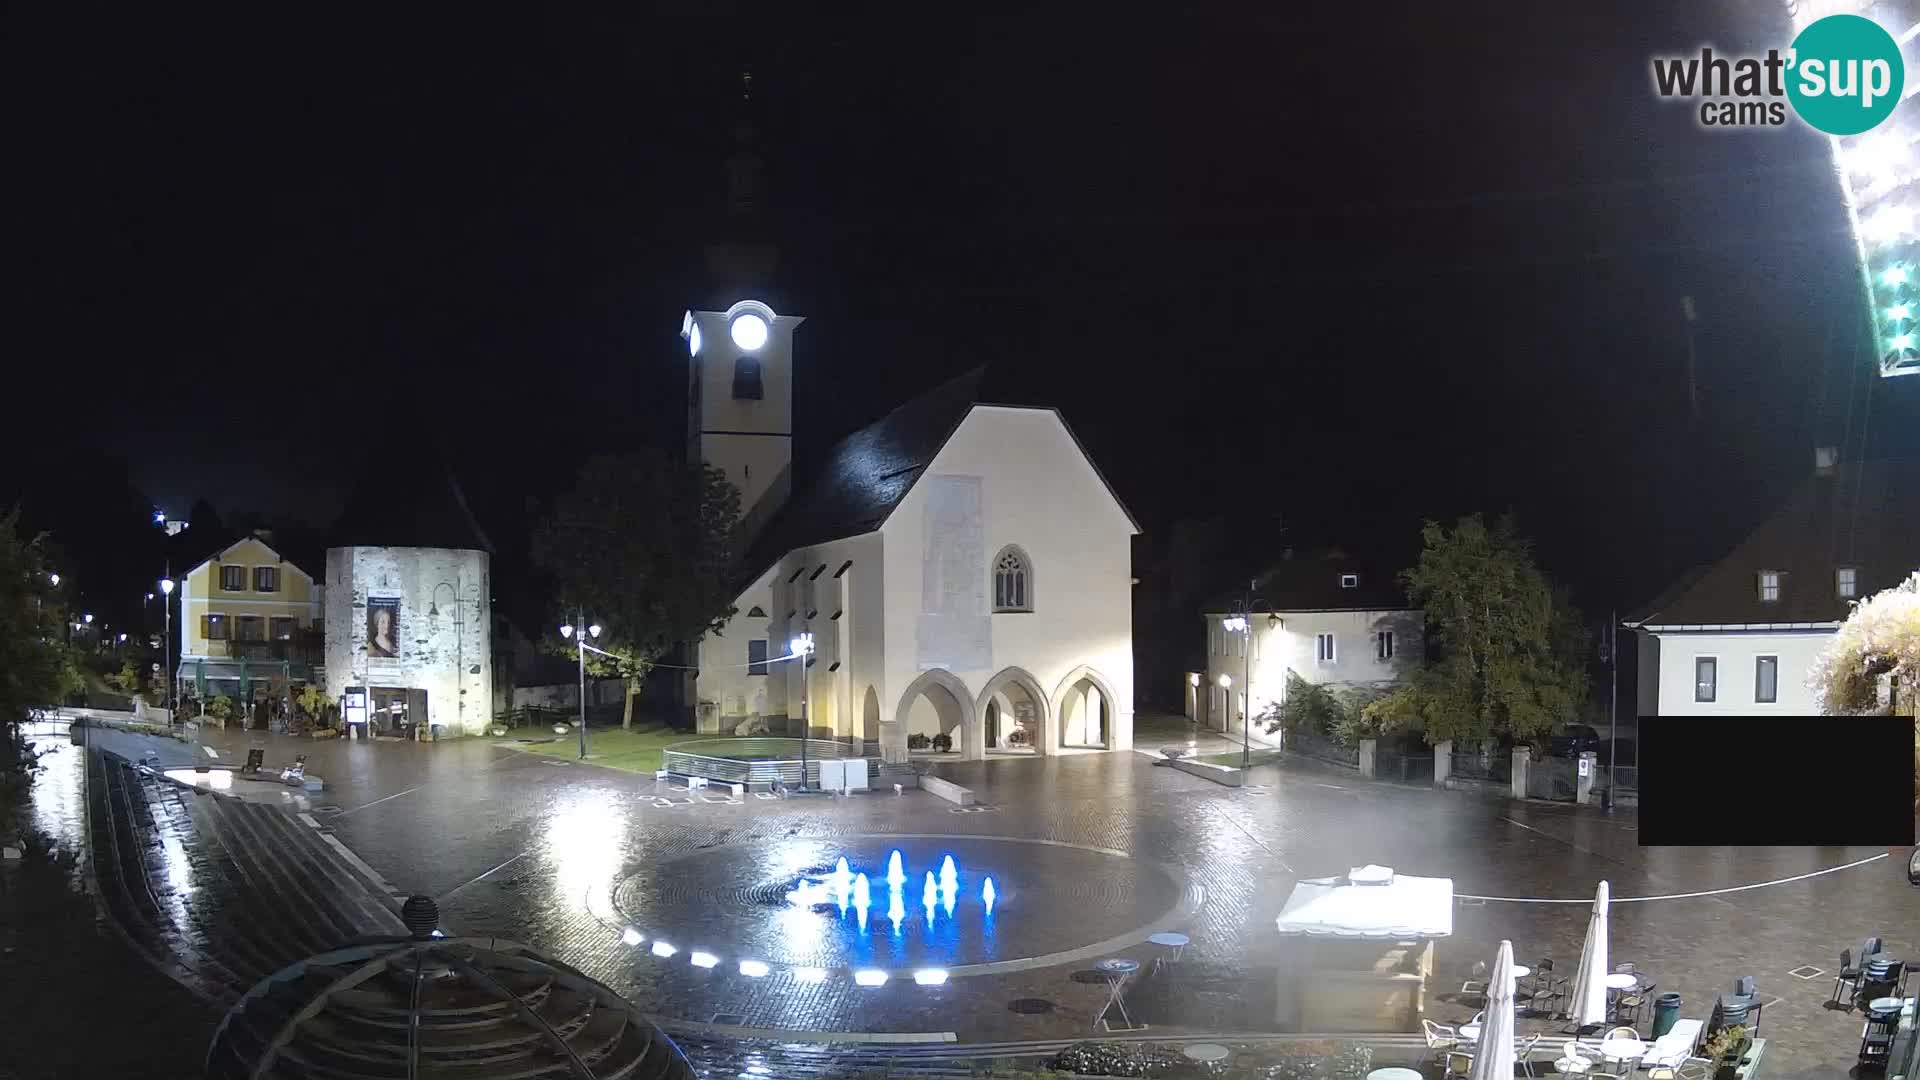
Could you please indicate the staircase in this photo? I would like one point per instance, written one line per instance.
(216, 891)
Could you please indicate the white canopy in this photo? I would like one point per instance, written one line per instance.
(1392, 906)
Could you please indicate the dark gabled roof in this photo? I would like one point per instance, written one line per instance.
(189, 549)
(1864, 515)
(415, 502)
(867, 473)
(1311, 582)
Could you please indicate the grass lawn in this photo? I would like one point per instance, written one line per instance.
(637, 750)
(1260, 757)
(1150, 728)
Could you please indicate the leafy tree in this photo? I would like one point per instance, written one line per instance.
(645, 546)
(1337, 712)
(126, 680)
(37, 669)
(1879, 641)
(1509, 651)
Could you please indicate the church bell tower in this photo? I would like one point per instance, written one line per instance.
(740, 355)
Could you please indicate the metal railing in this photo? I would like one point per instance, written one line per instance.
(1480, 763)
(753, 760)
(1415, 767)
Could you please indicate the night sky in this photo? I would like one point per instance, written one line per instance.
(1352, 267)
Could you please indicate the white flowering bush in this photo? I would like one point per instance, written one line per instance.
(1880, 639)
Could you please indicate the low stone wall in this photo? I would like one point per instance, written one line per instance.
(1219, 774)
(947, 789)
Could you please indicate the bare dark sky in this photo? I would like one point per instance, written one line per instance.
(1388, 263)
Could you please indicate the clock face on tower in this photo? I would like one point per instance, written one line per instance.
(749, 331)
(693, 339)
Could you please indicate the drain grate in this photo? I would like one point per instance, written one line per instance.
(728, 1019)
(1030, 1006)
(1807, 971)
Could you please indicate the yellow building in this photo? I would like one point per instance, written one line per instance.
(248, 616)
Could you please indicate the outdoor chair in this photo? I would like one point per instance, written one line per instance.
(1744, 986)
(1576, 1058)
(1542, 984)
(1692, 1068)
(1848, 976)
(1621, 1033)
(1440, 1038)
(1475, 985)
(1459, 1063)
(1523, 1054)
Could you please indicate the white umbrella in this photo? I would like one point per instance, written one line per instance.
(1493, 1056)
(1588, 1006)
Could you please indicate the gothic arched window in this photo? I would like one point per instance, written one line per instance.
(1012, 580)
(746, 378)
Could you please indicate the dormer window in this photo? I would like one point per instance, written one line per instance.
(1846, 582)
(746, 378)
(1349, 581)
(1770, 586)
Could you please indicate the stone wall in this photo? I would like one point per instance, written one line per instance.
(444, 640)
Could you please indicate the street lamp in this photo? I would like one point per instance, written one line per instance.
(1243, 624)
(799, 648)
(166, 601)
(53, 579)
(579, 639)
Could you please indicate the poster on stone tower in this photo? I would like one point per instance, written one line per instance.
(383, 627)
(955, 631)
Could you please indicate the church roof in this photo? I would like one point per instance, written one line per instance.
(1314, 582)
(1863, 515)
(867, 473)
(413, 502)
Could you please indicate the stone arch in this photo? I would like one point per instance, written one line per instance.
(1017, 680)
(1063, 712)
(936, 685)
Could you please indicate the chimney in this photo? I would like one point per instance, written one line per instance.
(1825, 460)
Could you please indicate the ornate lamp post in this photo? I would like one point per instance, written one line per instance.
(579, 638)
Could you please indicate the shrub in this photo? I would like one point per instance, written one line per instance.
(220, 708)
(917, 741)
(1019, 737)
(943, 742)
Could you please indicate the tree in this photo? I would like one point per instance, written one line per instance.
(1880, 640)
(645, 546)
(37, 669)
(1509, 651)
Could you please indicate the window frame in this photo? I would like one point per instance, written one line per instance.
(237, 568)
(1779, 585)
(1712, 685)
(1759, 665)
(1022, 575)
(1349, 581)
(1325, 649)
(242, 623)
(292, 624)
(757, 667)
(272, 571)
(1383, 645)
(1846, 582)
(209, 621)
(749, 375)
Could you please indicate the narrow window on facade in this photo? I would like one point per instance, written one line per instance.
(1012, 581)
(757, 656)
(1769, 586)
(282, 628)
(1349, 581)
(1846, 582)
(1706, 678)
(1383, 645)
(1766, 679)
(213, 627)
(746, 378)
(1323, 648)
(266, 579)
(249, 628)
(233, 579)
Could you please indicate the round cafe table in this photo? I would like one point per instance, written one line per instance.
(1175, 944)
(1622, 1050)
(1395, 1073)
(1622, 981)
(1470, 1032)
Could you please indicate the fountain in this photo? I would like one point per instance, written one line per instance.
(949, 883)
(896, 908)
(987, 894)
(841, 878)
(896, 874)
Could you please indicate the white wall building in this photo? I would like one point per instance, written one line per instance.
(412, 628)
(1326, 618)
(962, 568)
(1738, 637)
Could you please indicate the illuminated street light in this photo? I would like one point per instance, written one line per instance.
(88, 618)
(566, 631)
(594, 631)
(53, 579)
(1226, 681)
(582, 648)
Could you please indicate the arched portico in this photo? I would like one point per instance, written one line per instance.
(951, 706)
(1084, 711)
(1004, 695)
(870, 716)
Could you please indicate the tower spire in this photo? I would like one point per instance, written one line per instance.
(742, 258)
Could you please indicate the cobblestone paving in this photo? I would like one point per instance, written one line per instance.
(529, 847)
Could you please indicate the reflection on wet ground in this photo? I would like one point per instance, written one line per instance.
(541, 850)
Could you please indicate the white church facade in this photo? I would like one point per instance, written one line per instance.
(961, 569)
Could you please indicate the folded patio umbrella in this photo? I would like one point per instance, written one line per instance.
(1493, 1057)
(1588, 1005)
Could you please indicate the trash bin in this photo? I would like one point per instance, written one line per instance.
(1666, 1012)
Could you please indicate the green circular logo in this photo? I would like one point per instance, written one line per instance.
(1846, 74)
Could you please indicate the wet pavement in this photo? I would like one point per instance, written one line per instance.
(566, 856)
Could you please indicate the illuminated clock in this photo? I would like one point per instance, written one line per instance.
(748, 330)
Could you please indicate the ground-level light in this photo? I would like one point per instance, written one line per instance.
(870, 977)
(930, 976)
(632, 936)
(753, 969)
(661, 948)
(703, 959)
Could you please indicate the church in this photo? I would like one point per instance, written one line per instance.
(953, 578)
